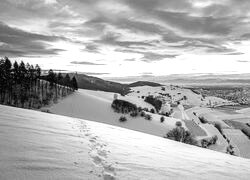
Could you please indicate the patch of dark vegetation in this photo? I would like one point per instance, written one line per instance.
(154, 101)
(162, 119)
(94, 83)
(134, 114)
(144, 83)
(181, 135)
(22, 85)
(148, 117)
(218, 126)
(202, 120)
(230, 150)
(122, 119)
(205, 143)
(152, 110)
(143, 114)
(121, 106)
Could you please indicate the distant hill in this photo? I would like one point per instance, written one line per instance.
(94, 83)
(144, 83)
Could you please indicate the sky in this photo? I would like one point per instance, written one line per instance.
(119, 38)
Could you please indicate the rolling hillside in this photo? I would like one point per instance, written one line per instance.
(37, 145)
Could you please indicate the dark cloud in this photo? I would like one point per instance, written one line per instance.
(178, 25)
(246, 36)
(86, 63)
(93, 48)
(16, 42)
(149, 56)
(112, 39)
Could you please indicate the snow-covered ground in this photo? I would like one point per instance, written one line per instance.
(96, 106)
(177, 93)
(36, 145)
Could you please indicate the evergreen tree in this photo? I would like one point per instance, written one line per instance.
(74, 83)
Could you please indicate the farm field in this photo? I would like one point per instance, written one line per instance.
(240, 140)
(194, 128)
(221, 143)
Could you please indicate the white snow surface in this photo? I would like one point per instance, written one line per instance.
(36, 145)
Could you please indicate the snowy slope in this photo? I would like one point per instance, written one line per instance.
(96, 106)
(37, 145)
(177, 93)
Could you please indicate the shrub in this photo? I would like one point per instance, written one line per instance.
(146, 109)
(154, 101)
(178, 124)
(203, 120)
(207, 142)
(134, 114)
(218, 126)
(163, 88)
(152, 110)
(148, 117)
(143, 114)
(162, 119)
(122, 119)
(214, 139)
(230, 150)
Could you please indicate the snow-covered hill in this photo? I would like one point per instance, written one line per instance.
(175, 93)
(37, 145)
(96, 106)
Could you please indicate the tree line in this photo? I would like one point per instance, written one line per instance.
(23, 85)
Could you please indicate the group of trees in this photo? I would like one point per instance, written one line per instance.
(154, 101)
(22, 85)
(181, 135)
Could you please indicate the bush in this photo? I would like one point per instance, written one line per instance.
(122, 119)
(146, 109)
(214, 139)
(143, 114)
(246, 132)
(139, 109)
(207, 142)
(122, 106)
(148, 117)
(203, 120)
(154, 101)
(163, 88)
(162, 119)
(152, 111)
(218, 126)
(134, 114)
(178, 124)
(230, 150)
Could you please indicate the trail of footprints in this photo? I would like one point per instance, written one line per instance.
(99, 154)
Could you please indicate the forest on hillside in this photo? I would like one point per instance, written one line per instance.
(23, 85)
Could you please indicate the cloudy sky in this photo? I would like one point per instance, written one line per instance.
(128, 37)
